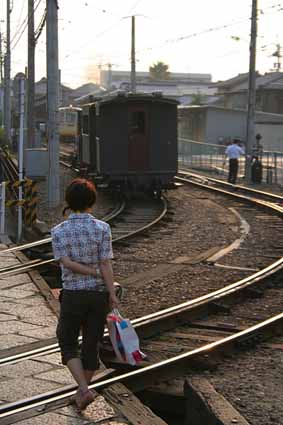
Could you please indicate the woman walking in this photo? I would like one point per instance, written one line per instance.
(83, 246)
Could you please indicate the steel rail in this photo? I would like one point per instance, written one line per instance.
(138, 379)
(274, 197)
(19, 268)
(113, 214)
(192, 304)
(29, 265)
(15, 267)
(146, 226)
(261, 203)
(10, 166)
(216, 296)
(10, 170)
(153, 321)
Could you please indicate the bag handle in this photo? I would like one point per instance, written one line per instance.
(116, 312)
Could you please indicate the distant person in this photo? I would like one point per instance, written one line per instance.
(82, 244)
(257, 149)
(256, 170)
(233, 152)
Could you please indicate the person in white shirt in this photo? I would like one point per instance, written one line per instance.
(233, 152)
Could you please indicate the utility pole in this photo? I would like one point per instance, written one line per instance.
(52, 102)
(21, 155)
(277, 53)
(133, 58)
(109, 80)
(251, 92)
(1, 60)
(1, 81)
(30, 76)
(7, 98)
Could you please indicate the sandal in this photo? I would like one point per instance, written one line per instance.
(83, 399)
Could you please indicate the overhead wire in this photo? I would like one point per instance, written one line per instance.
(40, 27)
(166, 42)
(20, 17)
(175, 40)
(25, 23)
(209, 30)
(134, 7)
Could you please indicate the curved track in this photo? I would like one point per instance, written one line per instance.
(174, 318)
(258, 197)
(126, 222)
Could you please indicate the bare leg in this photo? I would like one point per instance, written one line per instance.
(89, 375)
(76, 368)
(83, 395)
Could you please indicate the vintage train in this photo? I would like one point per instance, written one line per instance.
(129, 142)
(69, 124)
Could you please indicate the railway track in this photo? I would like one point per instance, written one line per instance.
(258, 197)
(9, 165)
(126, 222)
(184, 312)
(185, 322)
(170, 362)
(10, 171)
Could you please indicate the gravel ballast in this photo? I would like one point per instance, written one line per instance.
(202, 221)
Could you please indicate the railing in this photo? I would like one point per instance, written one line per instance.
(211, 158)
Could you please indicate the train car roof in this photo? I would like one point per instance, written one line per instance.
(70, 108)
(124, 97)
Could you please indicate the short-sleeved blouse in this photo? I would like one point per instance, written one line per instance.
(86, 240)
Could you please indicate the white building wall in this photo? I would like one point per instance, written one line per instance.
(272, 136)
(225, 125)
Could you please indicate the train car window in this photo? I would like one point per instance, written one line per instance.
(61, 116)
(70, 118)
(85, 124)
(137, 122)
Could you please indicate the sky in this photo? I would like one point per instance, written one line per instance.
(194, 36)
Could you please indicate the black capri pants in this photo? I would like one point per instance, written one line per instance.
(86, 311)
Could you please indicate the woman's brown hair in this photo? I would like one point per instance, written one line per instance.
(80, 195)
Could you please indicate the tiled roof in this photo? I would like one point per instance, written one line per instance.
(232, 81)
(271, 80)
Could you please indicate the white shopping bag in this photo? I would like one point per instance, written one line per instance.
(124, 339)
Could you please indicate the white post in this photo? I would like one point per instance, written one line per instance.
(20, 156)
(3, 211)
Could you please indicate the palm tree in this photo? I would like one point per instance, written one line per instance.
(159, 71)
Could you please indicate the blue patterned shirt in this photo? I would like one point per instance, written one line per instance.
(85, 240)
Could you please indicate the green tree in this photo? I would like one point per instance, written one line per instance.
(159, 71)
(198, 99)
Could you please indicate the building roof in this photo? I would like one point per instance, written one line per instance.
(261, 117)
(179, 76)
(268, 81)
(232, 81)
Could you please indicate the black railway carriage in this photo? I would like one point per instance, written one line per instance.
(130, 141)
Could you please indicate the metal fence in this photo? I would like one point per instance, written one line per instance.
(211, 158)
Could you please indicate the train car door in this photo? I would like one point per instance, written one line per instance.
(138, 140)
